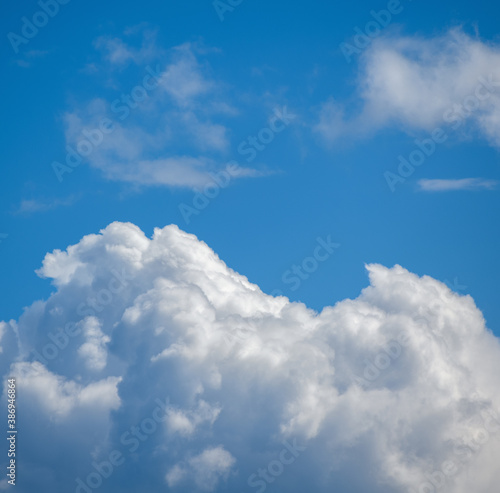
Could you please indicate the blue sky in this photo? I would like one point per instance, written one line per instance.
(260, 57)
(237, 226)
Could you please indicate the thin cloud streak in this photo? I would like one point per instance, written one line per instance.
(469, 184)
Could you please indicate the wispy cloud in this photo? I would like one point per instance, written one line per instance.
(418, 84)
(31, 206)
(29, 58)
(183, 80)
(118, 52)
(177, 135)
(452, 185)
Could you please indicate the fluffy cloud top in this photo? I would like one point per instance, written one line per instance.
(156, 361)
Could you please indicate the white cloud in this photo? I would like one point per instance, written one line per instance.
(185, 422)
(4, 484)
(418, 83)
(210, 466)
(206, 469)
(58, 397)
(93, 350)
(382, 389)
(332, 123)
(169, 129)
(7, 342)
(437, 185)
(183, 79)
(175, 475)
(179, 171)
(209, 136)
(30, 206)
(118, 52)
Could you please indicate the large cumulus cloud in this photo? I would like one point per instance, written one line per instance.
(155, 367)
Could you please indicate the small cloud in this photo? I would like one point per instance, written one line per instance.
(183, 80)
(262, 70)
(118, 52)
(332, 124)
(31, 206)
(137, 28)
(23, 63)
(207, 469)
(31, 55)
(461, 184)
(90, 68)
